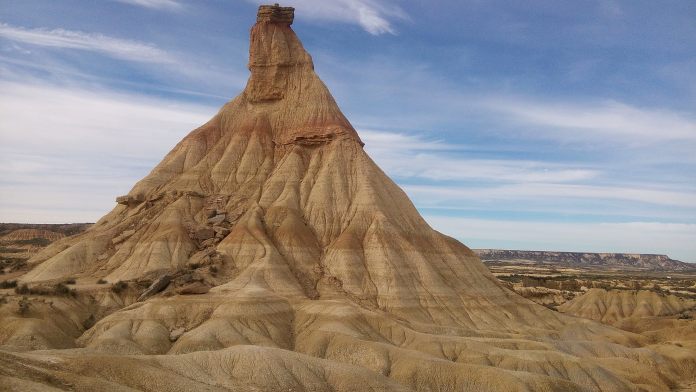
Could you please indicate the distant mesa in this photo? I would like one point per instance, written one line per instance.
(648, 262)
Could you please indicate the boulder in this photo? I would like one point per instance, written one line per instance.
(204, 233)
(193, 289)
(176, 334)
(221, 232)
(128, 200)
(209, 242)
(217, 219)
(158, 285)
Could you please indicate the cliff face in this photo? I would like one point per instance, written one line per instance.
(618, 260)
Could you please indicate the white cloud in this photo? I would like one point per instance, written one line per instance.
(66, 153)
(674, 239)
(608, 119)
(373, 16)
(409, 156)
(112, 47)
(167, 5)
(535, 191)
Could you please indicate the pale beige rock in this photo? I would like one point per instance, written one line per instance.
(613, 306)
(193, 288)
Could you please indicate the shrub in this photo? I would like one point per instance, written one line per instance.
(101, 281)
(23, 306)
(63, 290)
(34, 241)
(531, 282)
(119, 286)
(70, 281)
(8, 284)
(23, 289)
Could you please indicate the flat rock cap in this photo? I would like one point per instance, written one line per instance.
(275, 14)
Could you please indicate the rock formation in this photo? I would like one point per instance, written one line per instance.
(612, 306)
(636, 261)
(324, 276)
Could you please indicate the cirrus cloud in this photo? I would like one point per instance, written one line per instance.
(60, 38)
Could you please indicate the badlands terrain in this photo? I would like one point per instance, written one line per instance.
(268, 252)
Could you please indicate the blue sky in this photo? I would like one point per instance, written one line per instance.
(562, 125)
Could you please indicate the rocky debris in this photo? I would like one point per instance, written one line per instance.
(313, 140)
(217, 219)
(275, 14)
(176, 334)
(203, 257)
(128, 200)
(158, 285)
(155, 197)
(123, 236)
(221, 232)
(204, 233)
(209, 242)
(193, 289)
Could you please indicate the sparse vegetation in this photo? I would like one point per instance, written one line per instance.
(23, 306)
(4, 249)
(34, 241)
(63, 290)
(101, 281)
(22, 290)
(59, 289)
(571, 282)
(69, 281)
(8, 284)
(119, 287)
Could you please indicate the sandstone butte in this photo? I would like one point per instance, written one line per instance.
(314, 270)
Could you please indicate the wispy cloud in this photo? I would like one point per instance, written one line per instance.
(674, 239)
(166, 5)
(522, 192)
(607, 119)
(99, 43)
(411, 156)
(375, 17)
(85, 147)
